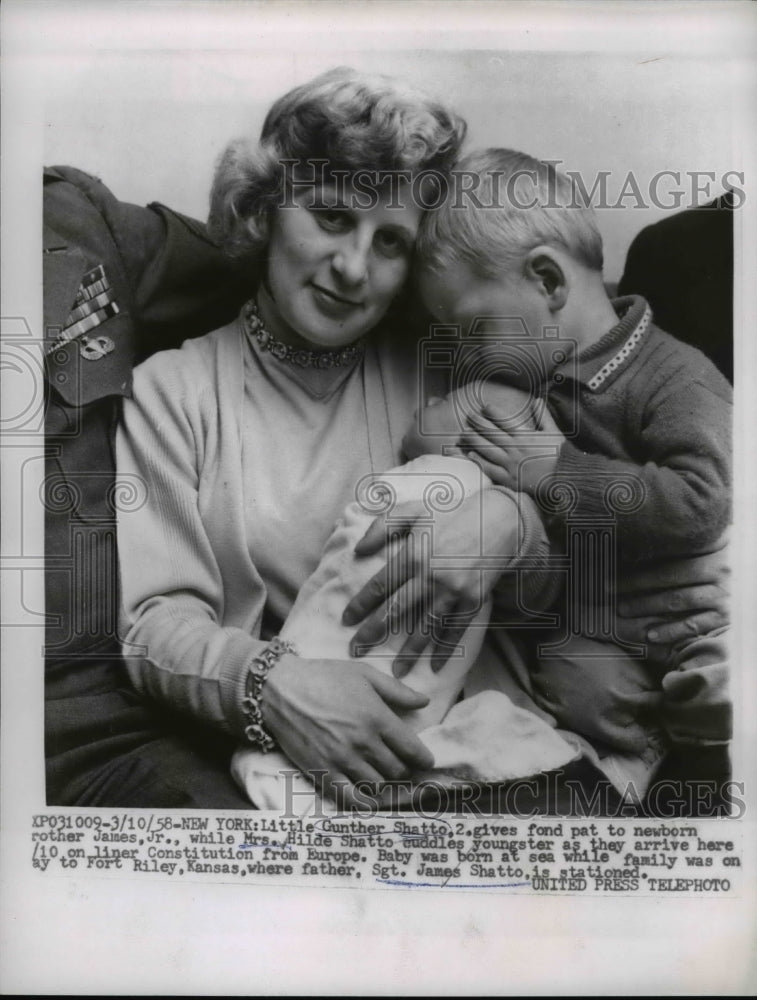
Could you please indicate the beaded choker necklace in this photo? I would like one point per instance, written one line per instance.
(294, 355)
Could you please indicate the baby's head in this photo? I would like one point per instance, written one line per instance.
(521, 245)
(437, 428)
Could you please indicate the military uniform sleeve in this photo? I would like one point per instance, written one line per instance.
(189, 286)
(181, 283)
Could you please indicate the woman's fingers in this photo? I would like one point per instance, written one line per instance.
(380, 533)
(362, 770)
(407, 746)
(338, 721)
(680, 573)
(431, 629)
(457, 619)
(686, 628)
(379, 760)
(387, 763)
(403, 743)
(678, 602)
(367, 776)
(449, 646)
(377, 592)
(412, 648)
(345, 789)
(395, 616)
(656, 632)
(396, 694)
(337, 787)
(385, 527)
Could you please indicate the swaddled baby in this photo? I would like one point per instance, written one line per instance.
(483, 738)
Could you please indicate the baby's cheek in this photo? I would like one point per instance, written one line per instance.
(436, 429)
(445, 419)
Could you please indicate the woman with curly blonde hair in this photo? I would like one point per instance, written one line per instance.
(253, 439)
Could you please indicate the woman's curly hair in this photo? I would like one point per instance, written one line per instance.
(352, 120)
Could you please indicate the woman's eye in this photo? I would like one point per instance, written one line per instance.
(333, 220)
(390, 243)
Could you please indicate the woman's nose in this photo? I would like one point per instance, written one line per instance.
(351, 262)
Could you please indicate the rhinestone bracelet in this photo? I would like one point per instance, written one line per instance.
(257, 674)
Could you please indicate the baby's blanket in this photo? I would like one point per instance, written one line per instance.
(482, 738)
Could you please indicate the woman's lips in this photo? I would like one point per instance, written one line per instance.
(332, 303)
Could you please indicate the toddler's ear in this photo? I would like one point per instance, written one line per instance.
(545, 267)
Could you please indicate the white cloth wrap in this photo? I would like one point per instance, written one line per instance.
(482, 738)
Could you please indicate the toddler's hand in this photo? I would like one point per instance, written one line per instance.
(512, 454)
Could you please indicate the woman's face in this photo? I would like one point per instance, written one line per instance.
(334, 271)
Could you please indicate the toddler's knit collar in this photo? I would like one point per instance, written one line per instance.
(601, 363)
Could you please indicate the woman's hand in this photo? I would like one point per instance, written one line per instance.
(339, 717)
(437, 577)
(675, 600)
